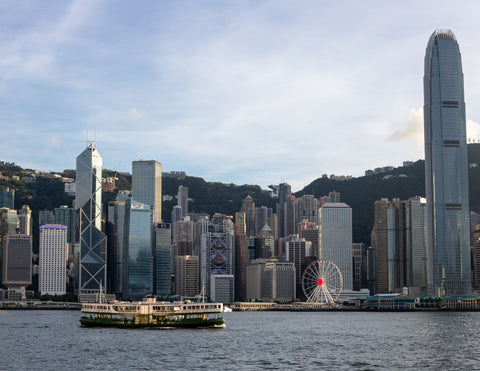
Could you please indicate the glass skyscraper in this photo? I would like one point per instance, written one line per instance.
(140, 259)
(446, 168)
(147, 186)
(88, 207)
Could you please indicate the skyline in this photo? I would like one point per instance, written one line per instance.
(259, 92)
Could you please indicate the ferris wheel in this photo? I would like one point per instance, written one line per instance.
(322, 282)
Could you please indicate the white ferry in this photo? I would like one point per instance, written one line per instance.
(150, 313)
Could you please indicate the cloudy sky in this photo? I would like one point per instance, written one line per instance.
(255, 92)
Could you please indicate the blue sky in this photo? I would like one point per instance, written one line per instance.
(254, 92)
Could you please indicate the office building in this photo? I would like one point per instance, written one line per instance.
(446, 168)
(163, 260)
(262, 216)
(88, 210)
(140, 259)
(296, 250)
(306, 208)
(45, 217)
(186, 276)
(17, 260)
(25, 220)
(256, 279)
(52, 275)
(358, 256)
(241, 257)
(147, 186)
(284, 190)
(217, 257)
(335, 222)
(182, 200)
(279, 281)
(7, 198)
(65, 215)
(117, 254)
(265, 243)
(248, 207)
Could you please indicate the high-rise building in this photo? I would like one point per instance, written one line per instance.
(359, 256)
(306, 208)
(182, 199)
(248, 207)
(296, 251)
(88, 209)
(25, 220)
(65, 215)
(265, 243)
(45, 217)
(117, 253)
(163, 260)
(17, 260)
(147, 186)
(256, 279)
(476, 256)
(262, 216)
(279, 281)
(140, 259)
(290, 226)
(52, 273)
(335, 221)
(241, 256)
(284, 190)
(446, 168)
(7, 198)
(217, 257)
(186, 275)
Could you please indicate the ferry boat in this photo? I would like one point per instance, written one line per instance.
(150, 313)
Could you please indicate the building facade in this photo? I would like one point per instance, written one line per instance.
(88, 210)
(52, 272)
(446, 168)
(147, 186)
(335, 222)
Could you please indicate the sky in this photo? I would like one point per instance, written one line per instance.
(244, 92)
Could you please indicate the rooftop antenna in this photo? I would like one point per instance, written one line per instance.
(92, 143)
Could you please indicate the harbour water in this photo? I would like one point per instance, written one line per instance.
(50, 340)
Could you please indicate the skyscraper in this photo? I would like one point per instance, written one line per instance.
(335, 220)
(88, 208)
(446, 168)
(147, 186)
(182, 199)
(52, 261)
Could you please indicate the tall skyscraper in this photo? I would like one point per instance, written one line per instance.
(335, 220)
(147, 186)
(52, 275)
(163, 259)
(17, 260)
(25, 220)
(182, 199)
(186, 275)
(284, 189)
(88, 208)
(446, 168)
(248, 207)
(7, 198)
(241, 256)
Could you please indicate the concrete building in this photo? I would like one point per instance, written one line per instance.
(335, 222)
(446, 168)
(7, 198)
(296, 250)
(25, 220)
(256, 279)
(45, 217)
(147, 186)
(186, 276)
(52, 275)
(17, 260)
(279, 281)
(359, 256)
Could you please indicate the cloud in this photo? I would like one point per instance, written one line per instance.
(133, 112)
(52, 144)
(473, 131)
(414, 129)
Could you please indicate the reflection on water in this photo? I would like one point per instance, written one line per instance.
(252, 340)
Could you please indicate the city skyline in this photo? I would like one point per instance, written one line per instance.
(171, 81)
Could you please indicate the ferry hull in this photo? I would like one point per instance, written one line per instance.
(186, 323)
